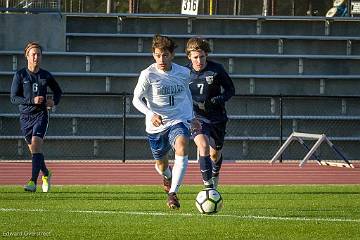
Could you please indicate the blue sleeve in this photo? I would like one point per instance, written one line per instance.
(55, 88)
(17, 92)
(227, 84)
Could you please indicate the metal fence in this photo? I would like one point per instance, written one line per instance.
(206, 7)
(106, 126)
(30, 5)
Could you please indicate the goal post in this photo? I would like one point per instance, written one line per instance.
(320, 138)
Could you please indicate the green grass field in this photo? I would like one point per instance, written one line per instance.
(140, 212)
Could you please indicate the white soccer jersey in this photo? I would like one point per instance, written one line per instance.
(167, 94)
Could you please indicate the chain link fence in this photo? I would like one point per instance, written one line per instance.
(32, 6)
(106, 126)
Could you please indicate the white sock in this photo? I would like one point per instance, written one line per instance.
(178, 172)
(166, 173)
(207, 183)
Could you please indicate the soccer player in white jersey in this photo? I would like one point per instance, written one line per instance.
(168, 113)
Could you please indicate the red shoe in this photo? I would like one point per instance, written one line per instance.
(173, 201)
(167, 184)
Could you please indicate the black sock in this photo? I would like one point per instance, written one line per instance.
(217, 166)
(36, 166)
(43, 167)
(205, 167)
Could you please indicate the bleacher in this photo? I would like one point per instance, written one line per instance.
(103, 54)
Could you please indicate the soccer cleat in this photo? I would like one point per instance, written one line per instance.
(215, 181)
(208, 184)
(46, 182)
(30, 186)
(173, 201)
(167, 184)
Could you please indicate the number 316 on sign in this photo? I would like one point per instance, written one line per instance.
(190, 7)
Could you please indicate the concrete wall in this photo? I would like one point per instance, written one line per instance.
(18, 29)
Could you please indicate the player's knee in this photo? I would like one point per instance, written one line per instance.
(203, 148)
(181, 146)
(36, 145)
(215, 156)
(202, 145)
(181, 150)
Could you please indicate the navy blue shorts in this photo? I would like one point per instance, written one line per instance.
(216, 131)
(35, 124)
(161, 143)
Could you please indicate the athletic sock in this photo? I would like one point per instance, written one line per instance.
(217, 166)
(178, 172)
(37, 159)
(205, 168)
(166, 173)
(43, 167)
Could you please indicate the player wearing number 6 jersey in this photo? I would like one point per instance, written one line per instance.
(29, 91)
(210, 87)
(164, 86)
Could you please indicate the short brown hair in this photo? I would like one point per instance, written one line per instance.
(197, 44)
(31, 45)
(163, 43)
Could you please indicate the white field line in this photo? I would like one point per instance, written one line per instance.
(275, 218)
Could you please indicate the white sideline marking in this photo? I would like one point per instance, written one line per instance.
(187, 214)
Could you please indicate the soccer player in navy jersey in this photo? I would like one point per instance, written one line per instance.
(168, 113)
(29, 91)
(210, 87)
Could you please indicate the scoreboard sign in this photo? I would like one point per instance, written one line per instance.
(190, 7)
(355, 7)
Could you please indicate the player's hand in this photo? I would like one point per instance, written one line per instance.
(49, 103)
(156, 120)
(195, 125)
(38, 99)
(217, 100)
(201, 105)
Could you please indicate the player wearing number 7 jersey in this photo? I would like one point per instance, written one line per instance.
(164, 86)
(210, 87)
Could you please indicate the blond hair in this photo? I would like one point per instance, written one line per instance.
(197, 44)
(31, 45)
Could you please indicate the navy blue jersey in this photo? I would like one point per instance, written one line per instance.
(210, 89)
(26, 85)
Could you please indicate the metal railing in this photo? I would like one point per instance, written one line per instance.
(30, 5)
(208, 7)
(258, 125)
